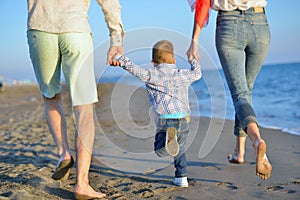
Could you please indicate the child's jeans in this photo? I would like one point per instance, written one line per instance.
(182, 128)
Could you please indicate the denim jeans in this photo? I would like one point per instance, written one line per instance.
(242, 42)
(182, 128)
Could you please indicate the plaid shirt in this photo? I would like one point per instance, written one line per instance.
(167, 86)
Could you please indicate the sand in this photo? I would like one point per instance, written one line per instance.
(124, 166)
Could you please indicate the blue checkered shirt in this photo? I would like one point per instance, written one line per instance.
(167, 86)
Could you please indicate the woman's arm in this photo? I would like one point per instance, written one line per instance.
(201, 17)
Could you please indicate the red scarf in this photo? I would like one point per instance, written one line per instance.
(202, 12)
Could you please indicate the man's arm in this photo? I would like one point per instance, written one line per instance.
(132, 68)
(112, 12)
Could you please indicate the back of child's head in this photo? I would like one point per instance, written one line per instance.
(163, 52)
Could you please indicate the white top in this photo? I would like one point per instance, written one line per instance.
(228, 5)
(63, 16)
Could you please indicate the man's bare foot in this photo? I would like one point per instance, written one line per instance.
(263, 166)
(87, 193)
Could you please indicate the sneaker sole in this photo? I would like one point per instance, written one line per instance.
(172, 146)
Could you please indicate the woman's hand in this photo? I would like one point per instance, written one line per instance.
(192, 52)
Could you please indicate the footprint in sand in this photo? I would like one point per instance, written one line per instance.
(227, 185)
(274, 188)
(144, 193)
(211, 167)
(280, 188)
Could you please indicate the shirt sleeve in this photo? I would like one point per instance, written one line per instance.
(195, 73)
(132, 68)
(202, 12)
(112, 13)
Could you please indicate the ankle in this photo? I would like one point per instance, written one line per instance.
(256, 142)
(80, 187)
(82, 181)
(64, 156)
(239, 151)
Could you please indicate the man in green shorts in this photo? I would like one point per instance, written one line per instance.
(60, 39)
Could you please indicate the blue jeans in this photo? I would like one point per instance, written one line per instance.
(242, 42)
(182, 128)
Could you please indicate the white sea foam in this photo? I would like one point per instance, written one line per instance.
(291, 131)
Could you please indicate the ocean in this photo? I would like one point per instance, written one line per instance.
(276, 95)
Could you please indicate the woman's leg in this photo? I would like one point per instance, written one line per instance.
(256, 52)
(230, 43)
(241, 60)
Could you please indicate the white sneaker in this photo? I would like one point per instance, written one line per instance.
(181, 182)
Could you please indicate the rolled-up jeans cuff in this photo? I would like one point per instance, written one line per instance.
(180, 175)
(239, 132)
(248, 120)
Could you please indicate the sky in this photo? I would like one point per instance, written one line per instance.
(170, 15)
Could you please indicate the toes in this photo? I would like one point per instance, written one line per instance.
(263, 176)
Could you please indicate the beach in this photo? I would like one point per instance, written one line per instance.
(124, 166)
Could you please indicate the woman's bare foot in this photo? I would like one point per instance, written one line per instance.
(238, 155)
(235, 158)
(87, 192)
(263, 166)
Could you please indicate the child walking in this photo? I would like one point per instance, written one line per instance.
(167, 88)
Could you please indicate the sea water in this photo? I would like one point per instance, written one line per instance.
(276, 95)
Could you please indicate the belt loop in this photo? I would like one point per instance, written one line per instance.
(179, 124)
(161, 122)
(258, 9)
(188, 119)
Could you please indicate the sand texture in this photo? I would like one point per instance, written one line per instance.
(124, 165)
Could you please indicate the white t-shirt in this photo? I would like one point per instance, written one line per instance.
(228, 5)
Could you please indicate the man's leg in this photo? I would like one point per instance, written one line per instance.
(85, 134)
(78, 69)
(58, 128)
(57, 124)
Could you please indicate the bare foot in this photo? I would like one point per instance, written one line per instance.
(87, 193)
(263, 166)
(235, 158)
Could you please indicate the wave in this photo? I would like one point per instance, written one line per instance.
(293, 131)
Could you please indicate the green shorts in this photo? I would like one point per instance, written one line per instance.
(71, 53)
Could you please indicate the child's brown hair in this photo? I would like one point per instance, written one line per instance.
(163, 52)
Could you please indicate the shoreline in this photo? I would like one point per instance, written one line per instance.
(28, 154)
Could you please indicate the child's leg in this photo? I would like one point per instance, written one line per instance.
(180, 162)
(166, 143)
(180, 165)
(159, 144)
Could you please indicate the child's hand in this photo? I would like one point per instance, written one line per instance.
(113, 50)
(115, 61)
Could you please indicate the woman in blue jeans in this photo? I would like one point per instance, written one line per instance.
(242, 42)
